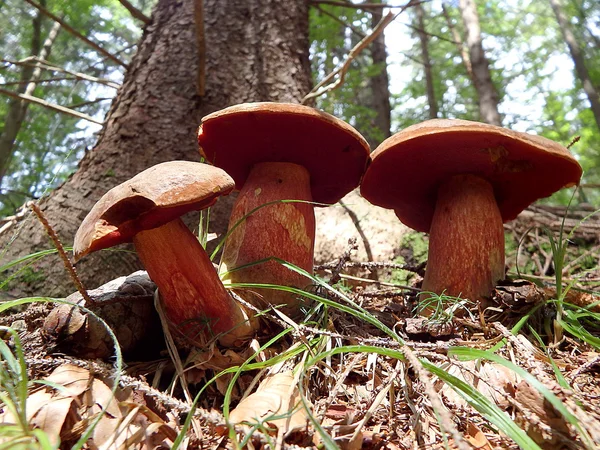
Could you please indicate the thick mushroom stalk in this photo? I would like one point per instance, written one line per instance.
(280, 151)
(286, 230)
(466, 240)
(192, 295)
(146, 210)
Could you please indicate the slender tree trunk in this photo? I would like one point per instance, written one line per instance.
(464, 54)
(30, 75)
(486, 91)
(578, 59)
(424, 38)
(255, 50)
(380, 83)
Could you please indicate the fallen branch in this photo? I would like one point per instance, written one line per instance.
(45, 104)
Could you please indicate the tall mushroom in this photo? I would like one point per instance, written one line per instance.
(146, 210)
(278, 151)
(459, 181)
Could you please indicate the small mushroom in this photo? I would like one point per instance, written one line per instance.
(278, 151)
(459, 181)
(146, 210)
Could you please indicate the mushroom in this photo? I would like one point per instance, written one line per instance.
(278, 151)
(146, 210)
(459, 181)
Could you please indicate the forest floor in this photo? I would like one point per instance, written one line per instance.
(363, 370)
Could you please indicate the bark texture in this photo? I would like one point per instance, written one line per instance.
(30, 74)
(256, 50)
(578, 59)
(380, 83)
(482, 78)
(424, 39)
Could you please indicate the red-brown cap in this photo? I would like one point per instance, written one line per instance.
(333, 152)
(150, 199)
(408, 168)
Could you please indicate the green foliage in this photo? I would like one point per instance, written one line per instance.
(49, 144)
(414, 247)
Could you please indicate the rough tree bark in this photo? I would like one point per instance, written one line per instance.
(30, 74)
(578, 59)
(380, 83)
(486, 91)
(424, 39)
(255, 50)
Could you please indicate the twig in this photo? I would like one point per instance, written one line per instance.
(61, 251)
(135, 13)
(32, 60)
(354, 5)
(326, 85)
(341, 22)
(339, 266)
(44, 103)
(374, 265)
(76, 33)
(90, 102)
(363, 236)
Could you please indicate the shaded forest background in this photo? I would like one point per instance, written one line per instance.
(529, 65)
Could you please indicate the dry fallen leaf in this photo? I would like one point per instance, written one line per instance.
(276, 401)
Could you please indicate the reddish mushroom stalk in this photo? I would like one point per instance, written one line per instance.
(466, 240)
(286, 230)
(146, 210)
(279, 151)
(193, 297)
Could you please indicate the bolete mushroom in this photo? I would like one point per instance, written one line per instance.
(459, 181)
(146, 210)
(278, 151)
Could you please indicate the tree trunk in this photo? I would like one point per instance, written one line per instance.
(254, 50)
(487, 94)
(30, 74)
(380, 83)
(464, 55)
(420, 26)
(578, 59)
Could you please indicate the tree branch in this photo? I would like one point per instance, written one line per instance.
(44, 103)
(353, 5)
(136, 13)
(341, 22)
(323, 87)
(75, 33)
(33, 61)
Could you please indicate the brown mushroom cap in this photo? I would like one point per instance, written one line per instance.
(333, 152)
(150, 199)
(408, 168)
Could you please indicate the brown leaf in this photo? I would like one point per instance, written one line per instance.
(74, 379)
(278, 396)
(51, 417)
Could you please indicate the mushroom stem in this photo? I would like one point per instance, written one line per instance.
(193, 297)
(282, 230)
(466, 240)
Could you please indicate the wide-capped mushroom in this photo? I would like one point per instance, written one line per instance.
(459, 181)
(278, 151)
(146, 210)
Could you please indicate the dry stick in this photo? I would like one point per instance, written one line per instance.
(61, 252)
(45, 104)
(135, 13)
(363, 236)
(77, 34)
(434, 398)
(34, 61)
(323, 87)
